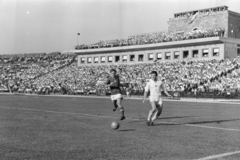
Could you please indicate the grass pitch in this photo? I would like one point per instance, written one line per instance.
(64, 128)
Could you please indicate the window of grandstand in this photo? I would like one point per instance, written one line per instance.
(167, 55)
(238, 51)
(140, 58)
(95, 59)
(159, 56)
(89, 60)
(132, 58)
(176, 55)
(185, 54)
(117, 58)
(110, 59)
(83, 60)
(103, 59)
(205, 53)
(124, 58)
(195, 53)
(216, 52)
(150, 56)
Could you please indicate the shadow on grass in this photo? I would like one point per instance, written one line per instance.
(144, 119)
(176, 117)
(165, 124)
(126, 130)
(214, 121)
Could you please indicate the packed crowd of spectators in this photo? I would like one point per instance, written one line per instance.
(178, 76)
(54, 73)
(156, 37)
(19, 70)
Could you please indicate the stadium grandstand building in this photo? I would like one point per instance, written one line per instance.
(212, 33)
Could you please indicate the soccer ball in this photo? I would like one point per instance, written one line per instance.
(115, 125)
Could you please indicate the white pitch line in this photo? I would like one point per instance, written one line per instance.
(135, 119)
(219, 155)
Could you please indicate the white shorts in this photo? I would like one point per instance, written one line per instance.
(157, 99)
(116, 96)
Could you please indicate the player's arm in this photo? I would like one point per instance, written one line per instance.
(147, 88)
(108, 83)
(145, 96)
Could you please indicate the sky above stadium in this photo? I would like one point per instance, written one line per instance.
(37, 26)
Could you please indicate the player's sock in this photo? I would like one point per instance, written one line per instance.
(122, 114)
(115, 108)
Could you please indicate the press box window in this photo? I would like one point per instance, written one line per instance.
(82, 60)
(185, 54)
(103, 59)
(195, 53)
(176, 55)
(159, 56)
(117, 58)
(124, 58)
(89, 60)
(140, 58)
(168, 55)
(150, 56)
(110, 59)
(132, 58)
(216, 52)
(205, 53)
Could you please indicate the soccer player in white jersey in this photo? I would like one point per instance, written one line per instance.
(155, 87)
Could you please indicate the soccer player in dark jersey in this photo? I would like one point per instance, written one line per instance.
(116, 96)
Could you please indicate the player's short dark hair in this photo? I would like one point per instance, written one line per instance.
(154, 72)
(113, 70)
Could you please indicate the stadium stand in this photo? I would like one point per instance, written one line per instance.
(210, 75)
(60, 74)
(157, 37)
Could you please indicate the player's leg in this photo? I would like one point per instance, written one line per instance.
(114, 105)
(159, 108)
(151, 113)
(158, 112)
(119, 103)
